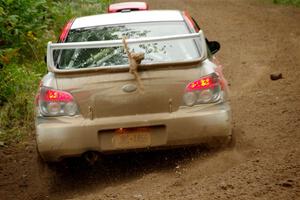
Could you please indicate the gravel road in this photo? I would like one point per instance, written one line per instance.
(257, 39)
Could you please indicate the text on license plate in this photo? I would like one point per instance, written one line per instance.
(134, 139)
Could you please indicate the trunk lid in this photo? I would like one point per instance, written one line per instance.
(113, 94)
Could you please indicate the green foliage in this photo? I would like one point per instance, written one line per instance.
(25, 28)
(290, 2)
(26, 25)
(22, 22)
(18, 85)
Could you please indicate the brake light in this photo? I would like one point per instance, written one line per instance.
(56, 103)
(55, 95)
(204, 90)
(65, 31)
(203, 83)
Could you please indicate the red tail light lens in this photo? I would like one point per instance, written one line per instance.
(56, 103)
(58, 96)
(203, 83)
(205, 90)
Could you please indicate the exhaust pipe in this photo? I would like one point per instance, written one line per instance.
(91, 157)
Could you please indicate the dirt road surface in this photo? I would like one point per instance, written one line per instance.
(257, 39)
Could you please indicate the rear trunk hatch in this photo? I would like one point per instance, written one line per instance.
(104, 94)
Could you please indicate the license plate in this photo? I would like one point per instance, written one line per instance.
(136, 139)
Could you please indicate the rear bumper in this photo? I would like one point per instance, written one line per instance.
(62, 137)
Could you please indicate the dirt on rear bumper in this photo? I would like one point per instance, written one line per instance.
(62, 137)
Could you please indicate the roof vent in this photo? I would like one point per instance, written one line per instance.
(127, 7)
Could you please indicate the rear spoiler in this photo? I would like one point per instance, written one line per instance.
(117, 43)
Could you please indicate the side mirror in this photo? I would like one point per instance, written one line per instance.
(45, 59)
(213, 46)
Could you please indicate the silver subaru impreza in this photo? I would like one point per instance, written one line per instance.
(131, 79)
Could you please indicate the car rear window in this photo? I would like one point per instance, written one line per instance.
(155, 52)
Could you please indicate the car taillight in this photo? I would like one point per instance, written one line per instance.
(56, 103)
(204, 90)
(57, 96)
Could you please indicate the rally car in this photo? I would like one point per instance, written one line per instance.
(132, 79)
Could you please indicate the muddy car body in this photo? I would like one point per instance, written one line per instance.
(89, 102)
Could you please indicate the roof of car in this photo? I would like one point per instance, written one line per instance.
(127, 17)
